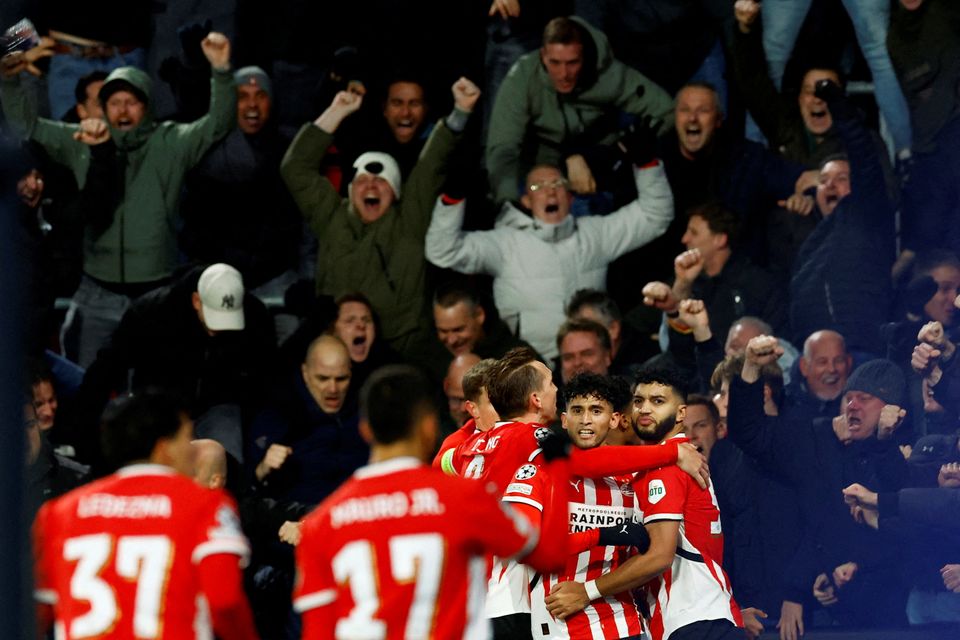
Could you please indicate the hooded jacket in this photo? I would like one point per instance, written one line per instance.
(533, 124)
(537, 266)
(383, 259)
(139, 242)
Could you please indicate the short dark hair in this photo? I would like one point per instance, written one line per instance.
(839, 156)
(818, 64)
(929, 260)
(612, 389)
(706, 86)
(584, 326)
(719, 219)
(511, 381)
(393, 400)
(770, 374)
(37, 371)
(407, 75)
(666, 375)
(354, 296)
(80, 90)
(449, 295)
(698, 399)
(563, 30)
(475, 379)
(600, 301)
(132, 425)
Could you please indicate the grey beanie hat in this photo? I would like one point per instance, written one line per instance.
(254, 75)
(880, 378)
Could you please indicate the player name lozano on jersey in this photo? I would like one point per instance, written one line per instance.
(105, 505)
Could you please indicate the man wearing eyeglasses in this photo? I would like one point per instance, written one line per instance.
(541, 256)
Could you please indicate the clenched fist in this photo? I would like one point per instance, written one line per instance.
(216, 48)
(92, 131)
(688, 265)
(660, 296)
(465, 94)
(891, 417)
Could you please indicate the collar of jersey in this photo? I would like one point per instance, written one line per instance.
(392, 465)
(146, 469)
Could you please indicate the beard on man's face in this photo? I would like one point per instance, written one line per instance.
(657, 431)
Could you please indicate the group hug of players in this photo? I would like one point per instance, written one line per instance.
(524, 533)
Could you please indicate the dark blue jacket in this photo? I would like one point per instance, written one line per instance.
(326, 448)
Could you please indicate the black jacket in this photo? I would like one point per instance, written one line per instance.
(161, 342)
(841, 278)
(809, 457)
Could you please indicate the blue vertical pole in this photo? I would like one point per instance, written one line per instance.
(16, 618)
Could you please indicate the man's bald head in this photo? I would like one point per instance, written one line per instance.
(210, 466)
(453, 385)
(742, 331)
(825, 364)
(326, 372)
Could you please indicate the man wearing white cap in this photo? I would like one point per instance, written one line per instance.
(218, 299)
(372, 241)
(202, 336)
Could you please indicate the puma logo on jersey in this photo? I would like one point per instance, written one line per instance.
(575, 484)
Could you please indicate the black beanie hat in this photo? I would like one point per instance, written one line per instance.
(880, 378)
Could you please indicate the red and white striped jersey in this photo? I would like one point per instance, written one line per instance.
(593, 503)
(123, 557)
(401, 551)
(695, 587)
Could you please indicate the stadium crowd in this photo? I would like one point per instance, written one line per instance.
(299, 251)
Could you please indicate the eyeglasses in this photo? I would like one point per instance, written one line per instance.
(559, 183)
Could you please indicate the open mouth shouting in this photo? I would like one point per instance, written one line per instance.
(252, 118)
(359, 347)
(370, 205)
(694, 135)
(818, 119)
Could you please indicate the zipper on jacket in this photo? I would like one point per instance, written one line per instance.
(386, 271)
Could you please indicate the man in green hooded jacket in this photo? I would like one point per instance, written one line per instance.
(129, 248)
(560, 105)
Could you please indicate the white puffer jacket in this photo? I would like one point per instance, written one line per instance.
(538, 266)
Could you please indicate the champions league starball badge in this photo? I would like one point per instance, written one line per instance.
(526, 472)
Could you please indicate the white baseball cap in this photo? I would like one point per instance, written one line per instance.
(378, 163)
(221, 296)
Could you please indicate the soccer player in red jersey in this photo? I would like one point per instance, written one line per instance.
(477, 403)
(604, 507)
(400, 550)
(521, 390)
(145, 552)
(688, 591)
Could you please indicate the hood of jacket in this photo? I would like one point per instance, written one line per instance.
(513, 218)
(136, 137)
(597, 57)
